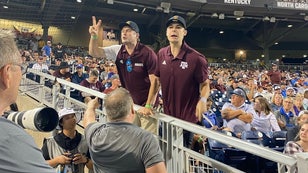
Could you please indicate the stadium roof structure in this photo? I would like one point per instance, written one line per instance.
(264, 22)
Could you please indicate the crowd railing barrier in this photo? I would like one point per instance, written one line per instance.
(54, 92)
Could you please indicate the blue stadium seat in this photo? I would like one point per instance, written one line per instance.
(267, 139)
(277, 143)
(235, 157)
(226, 154)
(229, 133)
(216, 149)
(254, 136)
(278, 140)
(258, 138)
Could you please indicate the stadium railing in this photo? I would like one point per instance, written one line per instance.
(55, 92)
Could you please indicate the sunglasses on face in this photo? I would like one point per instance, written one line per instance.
(129, 65)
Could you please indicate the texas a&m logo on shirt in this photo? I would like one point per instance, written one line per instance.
(184, 65)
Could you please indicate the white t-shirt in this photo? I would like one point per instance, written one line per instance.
(111, 52)
(41, 67)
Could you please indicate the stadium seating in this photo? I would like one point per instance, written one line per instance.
(278, 140)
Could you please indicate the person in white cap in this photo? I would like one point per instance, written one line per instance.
(290, 92)
(68, 149)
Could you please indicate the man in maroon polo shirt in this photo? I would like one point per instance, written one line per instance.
(135, 62)
(274, 75)
(183, 75)
(63, 71)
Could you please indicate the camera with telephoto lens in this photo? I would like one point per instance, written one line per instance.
(43, 119)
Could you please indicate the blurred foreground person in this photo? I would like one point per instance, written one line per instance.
(118, 146)
(19, 152)
(298, 146)
(292, 132)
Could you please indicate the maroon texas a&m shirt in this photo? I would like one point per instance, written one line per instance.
(180, 79)
(137, 82)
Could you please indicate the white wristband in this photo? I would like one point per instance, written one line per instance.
(203, 99)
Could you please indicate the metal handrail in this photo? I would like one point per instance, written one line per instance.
(173, 123)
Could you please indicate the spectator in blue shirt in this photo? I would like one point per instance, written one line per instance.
(46, 50)
(209, 119)
(284, 115)
(79, 75)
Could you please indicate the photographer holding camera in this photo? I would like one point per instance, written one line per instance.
(67, 151)
(19, 152)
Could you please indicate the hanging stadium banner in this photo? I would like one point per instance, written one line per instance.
(23, 29)
(238, 2)
(292, 4)
(286, 4)
(252, 3)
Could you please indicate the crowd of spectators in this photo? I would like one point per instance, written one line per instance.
(284, 90)
(276, 86)
(83, 70)
(273, 97)
(265, 100)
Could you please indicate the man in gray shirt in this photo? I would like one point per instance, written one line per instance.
(118, 146)
(19, 153)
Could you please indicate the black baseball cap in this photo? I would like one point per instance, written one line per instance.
(176, 19)
(63, 65)
(130, 24)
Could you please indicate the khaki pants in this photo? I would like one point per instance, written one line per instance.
(148, 123)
